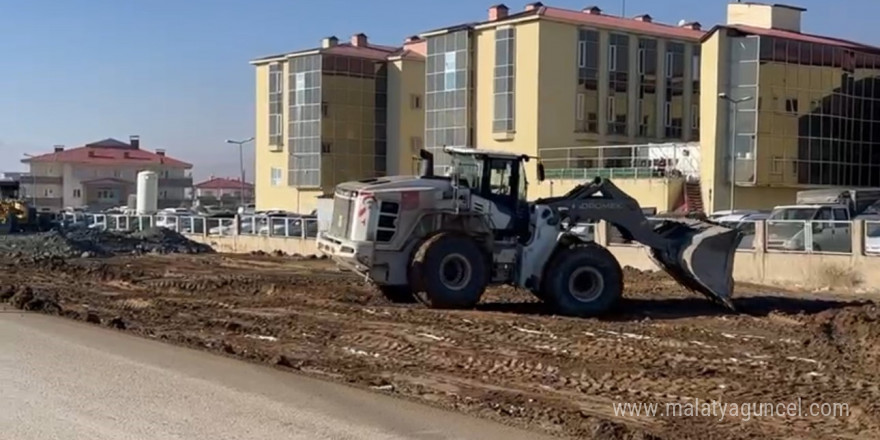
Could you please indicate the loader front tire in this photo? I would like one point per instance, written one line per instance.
(583, 281)
(449, 271)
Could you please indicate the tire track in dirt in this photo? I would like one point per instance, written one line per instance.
(558, 375)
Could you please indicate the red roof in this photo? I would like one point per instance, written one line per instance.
(370, 51)
(799, 36)
(595, 19)
(364, 49)
(611, 21)
(109, 152)
(224, 183)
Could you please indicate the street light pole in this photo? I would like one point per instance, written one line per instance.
(33, 181)
(240, 163)
(734, 102)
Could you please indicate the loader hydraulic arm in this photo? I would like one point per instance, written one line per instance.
(698, 254)
(602, 200)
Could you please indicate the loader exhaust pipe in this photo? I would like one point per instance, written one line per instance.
(426, 166)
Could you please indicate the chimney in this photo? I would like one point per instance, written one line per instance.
(533, 6)
(693, 25)
(594, 10)
(359, 40)
(160, 152)
(59, 148)
(498, 12)
(329, 42)
(135, 141)
(412, 39)
(644, 17)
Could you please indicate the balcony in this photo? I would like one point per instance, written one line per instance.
(622, 161)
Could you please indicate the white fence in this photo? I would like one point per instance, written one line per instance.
(789, 236)
(291, 227)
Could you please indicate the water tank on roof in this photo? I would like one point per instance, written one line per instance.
(147, 192)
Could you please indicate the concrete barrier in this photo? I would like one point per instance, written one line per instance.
(244, 244)
(758, 265)
(772, 267)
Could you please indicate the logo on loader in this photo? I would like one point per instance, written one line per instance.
(366, 202)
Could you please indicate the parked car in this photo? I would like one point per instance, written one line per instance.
(745, 222)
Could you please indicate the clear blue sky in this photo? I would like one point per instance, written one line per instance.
(176, 72)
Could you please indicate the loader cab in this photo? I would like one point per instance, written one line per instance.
(500, 178)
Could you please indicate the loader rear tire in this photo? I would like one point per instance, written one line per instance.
(583, 281)
(449, 271)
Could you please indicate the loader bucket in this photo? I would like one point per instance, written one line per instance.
(700, 256)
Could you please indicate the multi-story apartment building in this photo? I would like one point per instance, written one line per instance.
(101, 175)
(557, 83)
(342, 111)
(809, 110)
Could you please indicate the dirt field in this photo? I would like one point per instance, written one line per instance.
(507, 360)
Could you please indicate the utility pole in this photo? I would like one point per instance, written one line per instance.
(734, 103)
(240, 164)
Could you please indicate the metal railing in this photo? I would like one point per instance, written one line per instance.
(809, 236)
(622, 161)
(290, 227)
(872, 238)
(790, 236)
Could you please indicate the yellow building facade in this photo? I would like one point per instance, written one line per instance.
(341, 112)
(559, 84)
(803, 106)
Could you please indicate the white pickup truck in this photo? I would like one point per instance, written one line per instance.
(829, 213)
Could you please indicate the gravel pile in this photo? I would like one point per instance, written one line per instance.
(84, 242)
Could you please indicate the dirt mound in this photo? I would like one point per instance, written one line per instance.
(507, 361)
(25, 298)
(86, 242)
(853, 331)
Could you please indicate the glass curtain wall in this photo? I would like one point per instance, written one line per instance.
(304, 127)
(448, 95)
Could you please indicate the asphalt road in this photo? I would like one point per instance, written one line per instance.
(63, 380)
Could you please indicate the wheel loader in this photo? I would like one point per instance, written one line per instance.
(443, 239)
(16, 216)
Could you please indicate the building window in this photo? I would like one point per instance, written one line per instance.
(505, 54)
(325, 147)
(276, 174)
(163, 195)
(695, 94)
(77, 193)
(612, 58)
(618, 84)
(449, 70)
(415, 101)
(304, 119)
(276, 95)
(579, 107)
(674, 106)
(588, 82)
(646, 113)
(791, 105)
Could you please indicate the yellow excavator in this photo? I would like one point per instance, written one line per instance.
(17, 216)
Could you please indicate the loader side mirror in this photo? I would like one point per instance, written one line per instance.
(540, 172)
